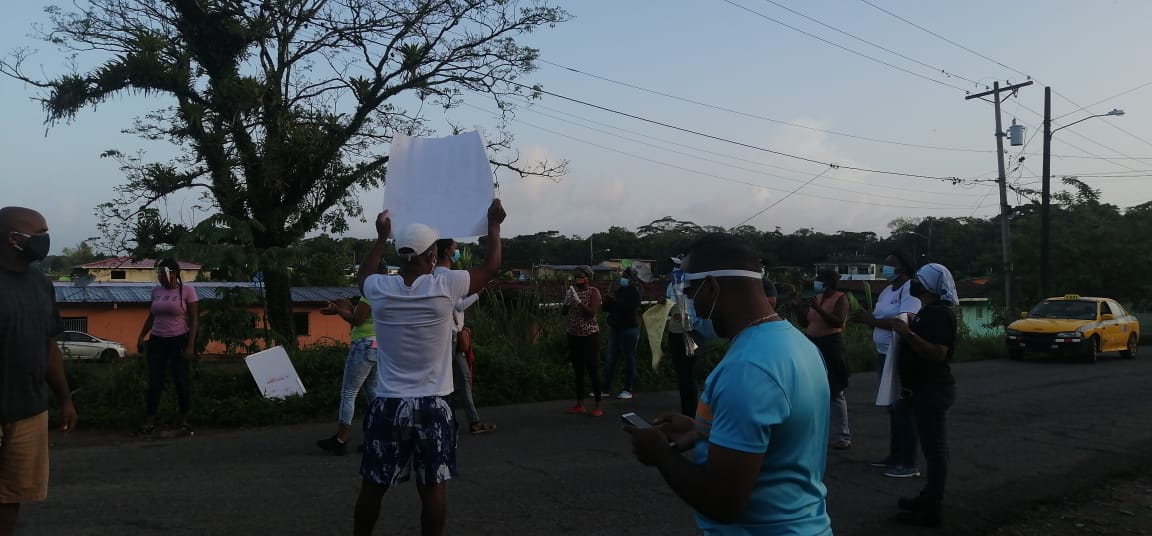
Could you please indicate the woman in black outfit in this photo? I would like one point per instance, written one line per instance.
(926, 348)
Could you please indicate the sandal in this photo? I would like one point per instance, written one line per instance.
(482, 428)
(842, 444)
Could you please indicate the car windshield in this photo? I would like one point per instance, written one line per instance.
(1071, 309)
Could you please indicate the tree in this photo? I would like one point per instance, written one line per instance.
(75, 256)
(279, 107)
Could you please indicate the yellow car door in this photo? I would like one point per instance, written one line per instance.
(1113, 337)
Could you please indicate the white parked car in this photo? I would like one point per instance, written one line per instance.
(80, 345)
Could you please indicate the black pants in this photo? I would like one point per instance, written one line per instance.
(832, 350)
(584, 352)
(930, 405)
(165, 352)
(685, 373)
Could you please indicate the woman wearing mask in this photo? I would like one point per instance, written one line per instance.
(824, 326)
(894, 300)
(171, 332)
(359, 367)
(623, 309)
(583, 304)
(926, 347)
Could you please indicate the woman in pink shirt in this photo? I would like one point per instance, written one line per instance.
(825, 325)
(171, 332)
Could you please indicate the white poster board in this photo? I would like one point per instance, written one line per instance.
(274, 374)
(889, 391)
(444, 183)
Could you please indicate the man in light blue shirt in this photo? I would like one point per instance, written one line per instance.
(758, 439)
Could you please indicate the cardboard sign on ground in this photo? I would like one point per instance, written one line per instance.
(274, 373)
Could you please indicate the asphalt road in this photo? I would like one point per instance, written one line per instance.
(1020, 432)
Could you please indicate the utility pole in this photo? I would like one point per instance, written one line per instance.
(1005, 237)
(1046, 195)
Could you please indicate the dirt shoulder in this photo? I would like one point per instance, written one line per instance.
(1121, 506)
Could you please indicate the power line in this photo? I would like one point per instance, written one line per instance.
(881, 47)
(1079, 108)
(842, 47)
(531, 107)
(1101, 101)
(760, 117)
(1078, 148)
(781, 200)
(1117, 127)
(953, 180)
(930, 32)
(807, 127)
(718, 177)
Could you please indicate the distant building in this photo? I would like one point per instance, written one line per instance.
(116, 311)
(853, 270)
(126, 270)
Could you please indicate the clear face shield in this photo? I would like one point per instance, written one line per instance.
(689, 320)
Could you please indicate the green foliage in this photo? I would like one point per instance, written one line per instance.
(228, 319)
(521, 356)
(111, 394)
(276, 110)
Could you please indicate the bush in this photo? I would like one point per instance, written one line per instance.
(111, 394)
(521, 356)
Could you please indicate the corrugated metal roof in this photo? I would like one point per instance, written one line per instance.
(128, 262)
(142, 292)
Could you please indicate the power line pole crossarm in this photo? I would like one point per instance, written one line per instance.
(1002, 181)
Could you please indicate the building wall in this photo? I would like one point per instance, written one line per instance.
(976, 316)
(135, 275)
(122, 323)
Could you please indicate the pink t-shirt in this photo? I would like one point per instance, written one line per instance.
(170, 309)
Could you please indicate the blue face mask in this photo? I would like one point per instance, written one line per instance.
(624, 282)
(889, 272)
(703, 326)
(818, 286)
(456, 256)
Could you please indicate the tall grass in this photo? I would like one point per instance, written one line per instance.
(522, 356)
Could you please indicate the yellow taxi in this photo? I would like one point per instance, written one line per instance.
(1077, 326)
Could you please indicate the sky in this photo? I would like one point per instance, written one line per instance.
(723, 69)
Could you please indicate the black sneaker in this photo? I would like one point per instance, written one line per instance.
(333, 445)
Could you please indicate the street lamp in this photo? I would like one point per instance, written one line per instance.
(592, 252)
(1046, 189)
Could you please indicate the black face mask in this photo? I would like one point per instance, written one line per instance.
(35, 247)
(916, 289)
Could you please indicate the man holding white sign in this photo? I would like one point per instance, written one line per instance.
(411, 424)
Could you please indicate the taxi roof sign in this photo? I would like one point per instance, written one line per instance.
(1071, 296)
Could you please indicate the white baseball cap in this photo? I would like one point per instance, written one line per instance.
(414, 239)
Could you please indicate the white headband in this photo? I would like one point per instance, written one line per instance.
(723, 273)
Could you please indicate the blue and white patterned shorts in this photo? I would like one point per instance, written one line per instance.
(402, 433)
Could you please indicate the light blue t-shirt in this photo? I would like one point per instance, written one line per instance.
(770, 395)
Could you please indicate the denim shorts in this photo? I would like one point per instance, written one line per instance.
(402, 434)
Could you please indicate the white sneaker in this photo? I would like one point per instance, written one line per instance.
(624, 395)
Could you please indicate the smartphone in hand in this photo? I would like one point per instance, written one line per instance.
(635, 420)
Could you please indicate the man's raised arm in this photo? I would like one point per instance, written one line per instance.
(371, 263)
(481, 275)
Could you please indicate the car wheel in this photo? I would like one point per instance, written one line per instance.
(1015, 355)
(109, 355)
(1129, 351)
(1093, 350)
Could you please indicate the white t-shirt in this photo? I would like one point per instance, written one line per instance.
(890, 303)
(461, 305)
(414, 331)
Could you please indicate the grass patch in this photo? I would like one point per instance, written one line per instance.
(522, 356)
